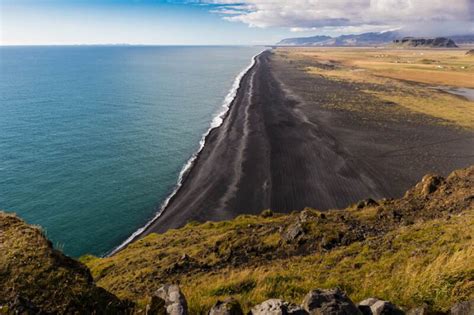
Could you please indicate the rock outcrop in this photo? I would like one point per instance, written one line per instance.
(175, 302)
(373, 306)
(334, 302)
(438, 42)
(277, 307)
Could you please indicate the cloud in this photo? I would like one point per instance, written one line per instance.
(303, 15)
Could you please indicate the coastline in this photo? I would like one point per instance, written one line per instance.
(279, 148)
(216, 122)
(245, 185)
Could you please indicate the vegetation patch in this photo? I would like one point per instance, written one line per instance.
(240, 287)
(407, 79)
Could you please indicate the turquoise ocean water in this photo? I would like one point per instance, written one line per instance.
(92, 139)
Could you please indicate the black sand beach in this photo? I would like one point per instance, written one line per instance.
(279, 148)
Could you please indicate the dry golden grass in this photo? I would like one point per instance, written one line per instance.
(425, 263)
(439, 105)
(396, 71)
(444, 67)
(428, 262)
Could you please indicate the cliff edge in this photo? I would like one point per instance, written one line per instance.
(416, 251)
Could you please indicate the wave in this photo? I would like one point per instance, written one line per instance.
(215, 123)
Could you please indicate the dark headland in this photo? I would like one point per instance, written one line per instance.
(281, 148)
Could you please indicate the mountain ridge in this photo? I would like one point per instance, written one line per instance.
(363, 39)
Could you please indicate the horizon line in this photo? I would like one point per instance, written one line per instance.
(125, 44)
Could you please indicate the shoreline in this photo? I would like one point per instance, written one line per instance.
(279, 147)
(215, 123)
(220, 202)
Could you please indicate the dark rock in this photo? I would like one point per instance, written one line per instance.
(470, 52)
(277, 307)
(367, 203)
(463, 308)
(329, 302)
(229, 306)
(294, 232)
(157, 306)
(379, 307)
(364, 309)
(175, 301)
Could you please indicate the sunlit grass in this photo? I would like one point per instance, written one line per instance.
(428, 262)
(393, 72)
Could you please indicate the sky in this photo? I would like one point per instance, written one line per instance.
(221, 22)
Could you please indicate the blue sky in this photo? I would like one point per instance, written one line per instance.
(194, 22)
(133, 22)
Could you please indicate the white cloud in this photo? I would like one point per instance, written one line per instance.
(304, 15)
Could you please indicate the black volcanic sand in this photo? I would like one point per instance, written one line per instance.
(282, 146)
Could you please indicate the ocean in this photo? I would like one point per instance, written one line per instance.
(93, 138)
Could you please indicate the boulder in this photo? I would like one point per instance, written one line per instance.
(277, 307)
(463, 308)
(294, 232)
(229, 306)
(365, 305)
(329, 302)
(378, 307)
(175, 301)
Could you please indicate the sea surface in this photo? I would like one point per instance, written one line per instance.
(93, 138)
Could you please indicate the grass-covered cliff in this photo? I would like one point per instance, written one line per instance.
(417, 250)
(35, 278)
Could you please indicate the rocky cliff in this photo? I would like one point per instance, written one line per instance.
(415, 252)
(438, 42)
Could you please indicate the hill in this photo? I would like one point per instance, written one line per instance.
(414, 251)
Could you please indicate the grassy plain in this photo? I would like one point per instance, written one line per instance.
(409, 78)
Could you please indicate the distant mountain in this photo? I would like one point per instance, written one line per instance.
(364, 39)
(463, 39)
(438, 42)
(303, 41)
